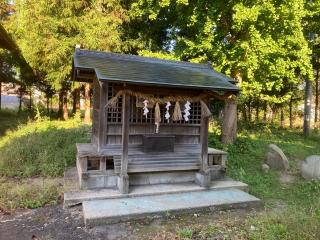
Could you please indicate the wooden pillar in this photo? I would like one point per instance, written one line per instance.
(204, 143)
(102, 114)
(87, 111)
(203, 177)
(123, 180)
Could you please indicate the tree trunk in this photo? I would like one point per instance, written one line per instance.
(65, 105)
(0, 93)
(290, 113)
(307, 107)
(281, 117)
(30, 100)
(265, 106)
(76, 100)
(87, 114)
(60, 104)
(20, 102)
(47, 99)
(272, 114)
(316, 110)
(257, 110)
(51, 104)
(249, 110)
(229, 125)
(244, 112)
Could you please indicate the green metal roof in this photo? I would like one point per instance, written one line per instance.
(151, 71)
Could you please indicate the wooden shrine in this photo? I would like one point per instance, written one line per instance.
(150, 121)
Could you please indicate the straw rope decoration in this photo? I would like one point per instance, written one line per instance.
(177, 116)
(205, 112)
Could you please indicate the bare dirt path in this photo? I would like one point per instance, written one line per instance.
(53, 222)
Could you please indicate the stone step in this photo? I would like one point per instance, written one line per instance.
(77, 197)
(108, 211)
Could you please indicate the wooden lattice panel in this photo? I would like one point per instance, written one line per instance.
(114, 114)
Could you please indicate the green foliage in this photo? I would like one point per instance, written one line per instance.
(260, 43)
(42, 148)
(48, 32)
(246, 155)
(185, 233)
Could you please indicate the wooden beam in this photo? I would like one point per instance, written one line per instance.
(125, 133)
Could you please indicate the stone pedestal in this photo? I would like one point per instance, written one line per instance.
(203, 178)
(123, 184)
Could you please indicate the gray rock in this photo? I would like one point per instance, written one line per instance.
(265, 168)
(276, 158)
(310, 168)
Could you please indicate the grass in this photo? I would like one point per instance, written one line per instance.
(34, 154)
(29, 193)
(41, 148)
(9, 120)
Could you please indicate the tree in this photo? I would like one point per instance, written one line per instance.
(56, 27)
(261, 43)
(312, 31)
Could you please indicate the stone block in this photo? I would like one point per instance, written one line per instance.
(203, 178)
(123, 184)
(310, 168)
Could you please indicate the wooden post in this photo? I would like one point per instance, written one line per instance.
(87, 114)
(203, 177)
(204, 143)
(123, 182)
(102, 114)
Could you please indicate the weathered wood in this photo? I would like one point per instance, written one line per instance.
(184, 134)
(102, 119)
(87, 114)
(204, 143)
(125, 134)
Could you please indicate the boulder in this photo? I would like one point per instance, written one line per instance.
(265, 168)
(276, 158)
(310, 168)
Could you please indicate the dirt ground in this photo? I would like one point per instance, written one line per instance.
(53, 222)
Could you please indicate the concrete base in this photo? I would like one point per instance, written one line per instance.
(203, 179)
(118, 210)
(75, 197)
(137, 179)
(123, 184)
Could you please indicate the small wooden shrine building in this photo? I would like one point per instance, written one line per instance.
(150, 120)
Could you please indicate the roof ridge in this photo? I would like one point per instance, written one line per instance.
(123, 56)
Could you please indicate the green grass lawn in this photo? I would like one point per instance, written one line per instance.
(33, 156)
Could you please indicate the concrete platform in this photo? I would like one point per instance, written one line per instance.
(117, 210)
(72, 198)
